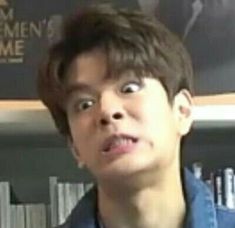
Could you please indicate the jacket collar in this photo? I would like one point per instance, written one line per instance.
(201, 210)
(84, 214)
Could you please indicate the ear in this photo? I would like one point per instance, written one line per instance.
(182, 107)
(75, 153)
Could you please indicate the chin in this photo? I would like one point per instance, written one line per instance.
(124, 173)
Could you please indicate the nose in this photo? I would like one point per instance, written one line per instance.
(111, 109)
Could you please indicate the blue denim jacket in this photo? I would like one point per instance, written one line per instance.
(201, 210)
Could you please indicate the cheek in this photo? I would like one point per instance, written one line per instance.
(159, 124)
(81, 135)
(80, 131)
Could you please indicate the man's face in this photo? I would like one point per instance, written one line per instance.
(123, 126)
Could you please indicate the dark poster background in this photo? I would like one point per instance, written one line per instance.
(18, 64)
(21, 47)
(208, 30)
(27, 27)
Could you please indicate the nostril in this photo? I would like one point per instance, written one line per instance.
(117, 115)
(104, 122)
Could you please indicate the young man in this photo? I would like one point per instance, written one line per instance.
(118, 86)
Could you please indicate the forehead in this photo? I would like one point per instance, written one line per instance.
(92, 69)
(88, 68)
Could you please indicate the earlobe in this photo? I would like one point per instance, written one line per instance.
(183, 104)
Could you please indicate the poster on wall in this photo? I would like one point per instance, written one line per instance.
(26, 30)
(206, 27)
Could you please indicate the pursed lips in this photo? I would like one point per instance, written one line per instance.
(118, 140)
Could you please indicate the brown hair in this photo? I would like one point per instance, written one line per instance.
(131, 41)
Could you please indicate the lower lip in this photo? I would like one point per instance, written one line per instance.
(122, 149)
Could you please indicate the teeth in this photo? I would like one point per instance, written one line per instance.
(120, 141)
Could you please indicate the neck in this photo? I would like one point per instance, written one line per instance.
(160, 204)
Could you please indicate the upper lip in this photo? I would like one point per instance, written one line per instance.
(109, 140)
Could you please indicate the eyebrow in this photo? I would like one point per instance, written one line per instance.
(78, 87)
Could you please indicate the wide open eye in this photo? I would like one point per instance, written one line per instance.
(84, 105)
(131, 87)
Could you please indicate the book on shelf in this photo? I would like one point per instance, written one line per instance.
(197, 169)
(228, 188)
(218, 194)
(17, 216)
(53, 194)
(5, 210)
(20, 216)
(61, 206)
(35, 216)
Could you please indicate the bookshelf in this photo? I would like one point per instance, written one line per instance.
(21, 117)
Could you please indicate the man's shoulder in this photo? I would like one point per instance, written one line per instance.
(225, 217)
